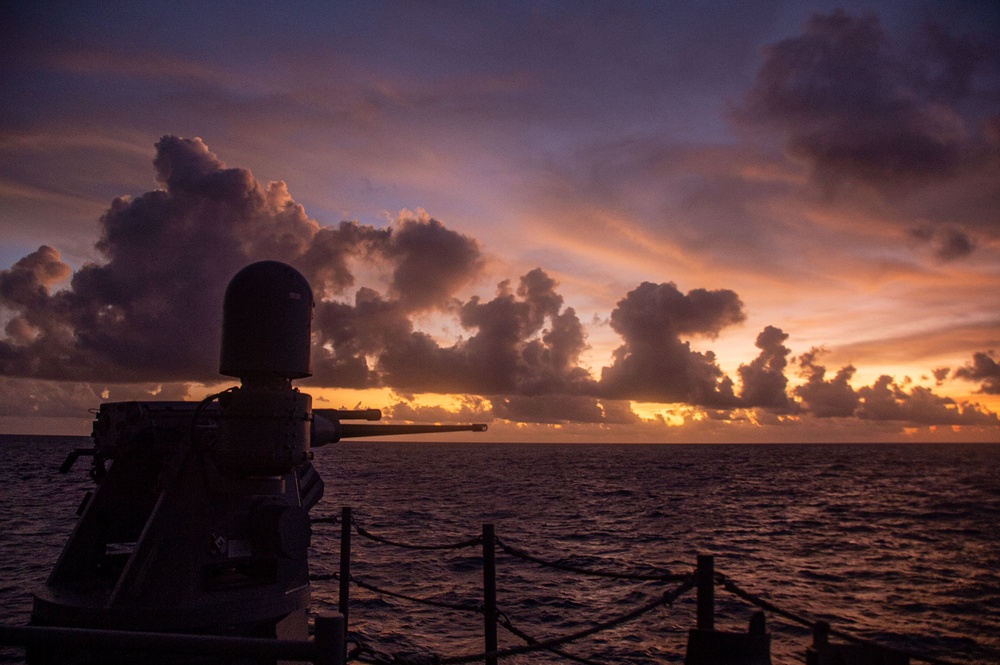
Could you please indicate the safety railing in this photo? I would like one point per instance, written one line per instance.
(702, 577)
(332, 637)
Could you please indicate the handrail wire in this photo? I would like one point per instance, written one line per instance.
(413, 599)
(325, 577)
(535, 645)
(521, 554)
(754, 599)
(667, 598)
(504, 620)
(471, 542)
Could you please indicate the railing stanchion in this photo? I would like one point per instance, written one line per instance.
(706, 592)
(330, 640)
(489, 594)
(345, 569)
(821, 634)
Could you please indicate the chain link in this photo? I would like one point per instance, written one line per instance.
(471, 542)
(365, 653)
(754, 599)
(521, 554)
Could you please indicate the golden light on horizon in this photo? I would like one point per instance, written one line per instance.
(449, 214)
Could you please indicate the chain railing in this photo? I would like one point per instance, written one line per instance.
(702, 577)
(332, 637)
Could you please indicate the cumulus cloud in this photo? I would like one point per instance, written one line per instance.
(524, 342)
(36, 333)
(151, 309)
(985, 368)
(61, 399)
(654, 364)
(886, 400)
(144, 322)
(857, 109)
(764, 380)
(833, 398)
(431, 262)
(470, 409)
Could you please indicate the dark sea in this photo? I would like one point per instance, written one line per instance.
(899, 544)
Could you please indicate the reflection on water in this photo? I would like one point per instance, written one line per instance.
(895, 543)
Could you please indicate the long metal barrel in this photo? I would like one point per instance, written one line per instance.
(327, 428)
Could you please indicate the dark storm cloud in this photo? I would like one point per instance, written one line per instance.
(763, 381)
(826, 399)
(511, 351)
(28, 281)
(151, 309)
(55, 399)
(954, 64)
(885, 400)
(654, 364)
(985, 368)
(346, 335)
(431, 263)
(470, 410)
(858, 107)
(37, 334)
(25, 290)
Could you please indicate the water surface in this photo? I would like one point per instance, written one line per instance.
(895, 543)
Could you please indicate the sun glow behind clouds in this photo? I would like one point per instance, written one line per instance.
(861, 220)
(669, 414)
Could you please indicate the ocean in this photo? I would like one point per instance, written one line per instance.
(899, 544)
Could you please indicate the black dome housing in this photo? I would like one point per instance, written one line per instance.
(266, 323)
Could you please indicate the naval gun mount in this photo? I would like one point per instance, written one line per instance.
(200, 519)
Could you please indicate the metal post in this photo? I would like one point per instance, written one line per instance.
(490, 594)
(821, 634)
(820, 650)
(330, 640)
(706, 592)
(345, 570)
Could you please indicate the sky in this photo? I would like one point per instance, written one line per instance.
(577, 222)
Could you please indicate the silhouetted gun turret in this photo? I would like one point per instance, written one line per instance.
(200, 523)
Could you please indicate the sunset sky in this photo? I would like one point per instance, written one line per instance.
(628, 221)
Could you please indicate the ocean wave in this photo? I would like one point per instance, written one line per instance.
(842, 533)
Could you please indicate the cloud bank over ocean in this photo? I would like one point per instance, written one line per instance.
(633, 221)
(150, 314)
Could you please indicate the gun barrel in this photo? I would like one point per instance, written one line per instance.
(327, 428)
